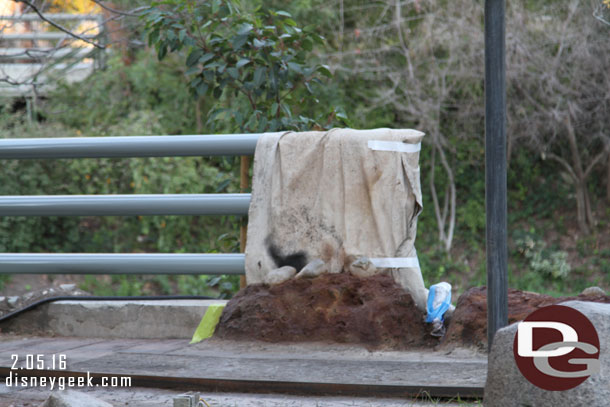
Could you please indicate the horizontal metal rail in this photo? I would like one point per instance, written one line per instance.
(43, 36)
(124, 205)
(131, 146)
(105, 263)
(50, 16)
(43, 53)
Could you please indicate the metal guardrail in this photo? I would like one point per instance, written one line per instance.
(107, 263)
(119, 205)
(37, 54)
(102, 205)
(54, 16)
(134, 146)
(46, 36)
(33, 57)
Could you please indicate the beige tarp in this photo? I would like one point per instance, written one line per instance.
(330, 195)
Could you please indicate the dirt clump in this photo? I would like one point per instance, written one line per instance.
(468, 327)
(374, 311)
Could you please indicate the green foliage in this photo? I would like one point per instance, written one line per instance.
(214, 286)
(4, 279)
(252, 63)
(229, 62)
(541, 260)
(439, 266)
(586, 246)
(471, 214)
(111, 176)
(534, 189)
(109, 100)
(129, 285)
(32, 177)
(116, 285)
(141, 99)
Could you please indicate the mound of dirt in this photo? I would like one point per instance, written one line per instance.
(375, 312)
(468, 327)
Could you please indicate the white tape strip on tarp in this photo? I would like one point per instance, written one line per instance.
(397, 146)
(395, 262)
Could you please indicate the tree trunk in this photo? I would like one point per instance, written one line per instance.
(118, 36)
(198, 119)
(589, 210)
(608, 179)
(583, 202)
(581, 207)
(445, 229)
(440, 218)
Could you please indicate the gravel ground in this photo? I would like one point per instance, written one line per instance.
(143, 397)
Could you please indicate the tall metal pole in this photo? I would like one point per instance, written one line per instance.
(244, 182)
(495, 168)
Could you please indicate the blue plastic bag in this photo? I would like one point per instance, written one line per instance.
(439, 301)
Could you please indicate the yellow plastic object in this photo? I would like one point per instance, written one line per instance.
(208, 323)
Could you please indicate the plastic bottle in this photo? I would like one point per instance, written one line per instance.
(439, 301)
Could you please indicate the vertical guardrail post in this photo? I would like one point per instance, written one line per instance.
(244, 178)
(495, 168)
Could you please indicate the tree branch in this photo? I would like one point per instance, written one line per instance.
(403, 44)
(437, 210)
(565, 165)
(131, 13)
(595, 161)
(58, 26)
(453, 203)
(598, 15)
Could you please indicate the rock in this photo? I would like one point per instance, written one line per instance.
(592, 292)
(438, 328)
(449, 314)
(12, 301)
(468, 326)
(186, 400)
(362, 267)
(71, 398)
(338, 307)
(314, 268)
(506, 386)
(280, 275)
(67, 287)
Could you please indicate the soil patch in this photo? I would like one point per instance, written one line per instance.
(343, 308)
(468, 327)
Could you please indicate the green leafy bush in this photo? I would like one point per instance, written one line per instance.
(540, 259)
(107, 100)
(255, 64)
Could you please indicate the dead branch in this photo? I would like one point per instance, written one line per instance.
(136, 12)
(59, 26)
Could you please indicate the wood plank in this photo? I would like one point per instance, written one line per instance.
(21, 343)
(44, 348)
(174, 363)
(100, 349)
(158, 346)
(289, 370)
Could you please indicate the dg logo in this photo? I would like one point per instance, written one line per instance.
(556, 348)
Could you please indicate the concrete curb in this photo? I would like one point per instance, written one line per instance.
(132, 319)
